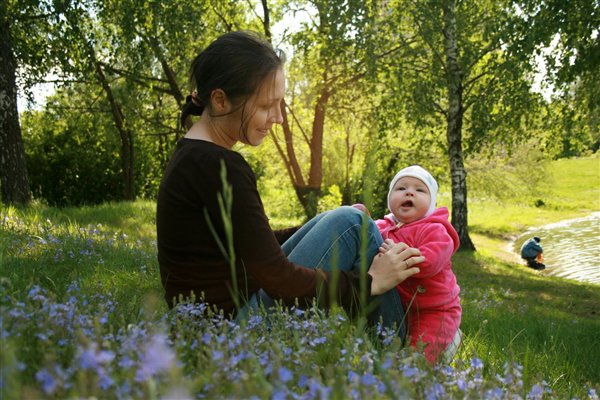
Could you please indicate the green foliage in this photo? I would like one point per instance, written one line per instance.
(520, 177)
(332, 199)
(564, 36)
(570, 27)
(71, 162)
(378, 67)
(572, 128)
(495, 89)
(33, 38)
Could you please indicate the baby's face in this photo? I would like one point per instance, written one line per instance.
(409, 200)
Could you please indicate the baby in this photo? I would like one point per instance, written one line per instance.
(430, 297)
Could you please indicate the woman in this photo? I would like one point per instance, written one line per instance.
(239, 86)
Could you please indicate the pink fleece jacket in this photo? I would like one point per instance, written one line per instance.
(434, 314)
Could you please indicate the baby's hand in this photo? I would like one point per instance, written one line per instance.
(386, 245)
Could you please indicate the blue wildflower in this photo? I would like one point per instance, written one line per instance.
(105, 381)
(48, 382)
(536, 392)
(126, 362)
(36, 293)
(158, 357)
(409, 371)
(436, 391)
(494, 393)
(317, 341)
(368, 379)
(217, 355)
(303, 381)
(280, 394)
(285, 375)
(476, 363)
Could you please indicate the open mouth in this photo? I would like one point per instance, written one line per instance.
(407, 203)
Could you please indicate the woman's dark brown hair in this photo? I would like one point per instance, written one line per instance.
(237, 63)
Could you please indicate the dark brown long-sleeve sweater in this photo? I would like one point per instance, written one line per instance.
(190, 257)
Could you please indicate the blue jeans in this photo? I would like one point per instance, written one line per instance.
(333, 240)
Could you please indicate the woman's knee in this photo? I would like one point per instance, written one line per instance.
(349, 218)
(353, 215)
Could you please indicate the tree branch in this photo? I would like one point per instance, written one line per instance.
(228, 25)
(298, 123)
(143, 80)
(433, 49)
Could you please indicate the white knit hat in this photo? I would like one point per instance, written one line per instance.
(420, 173)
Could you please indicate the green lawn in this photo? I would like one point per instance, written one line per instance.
(520, 324)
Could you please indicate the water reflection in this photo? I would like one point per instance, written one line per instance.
(571, 248)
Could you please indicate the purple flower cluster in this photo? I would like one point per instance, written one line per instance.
(72, 348)
(77, 349)
(52, 243)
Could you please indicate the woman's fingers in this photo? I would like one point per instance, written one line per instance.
(393, 267)
(407, 273)
(413, 260)
(404, 252)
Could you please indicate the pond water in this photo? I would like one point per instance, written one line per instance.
(571, 248)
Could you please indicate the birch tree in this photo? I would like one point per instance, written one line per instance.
(457, 79)
(17, 48)
(14, 184)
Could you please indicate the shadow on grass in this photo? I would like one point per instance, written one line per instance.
(548, 325)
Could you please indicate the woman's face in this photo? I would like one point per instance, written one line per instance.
(264, 109)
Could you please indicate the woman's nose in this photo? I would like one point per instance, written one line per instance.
(277, 116)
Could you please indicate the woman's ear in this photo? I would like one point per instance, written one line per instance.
(219, 101)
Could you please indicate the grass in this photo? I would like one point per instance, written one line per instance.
(83, 316)
(572, 189)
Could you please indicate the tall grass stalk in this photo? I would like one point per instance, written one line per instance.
(225, 200)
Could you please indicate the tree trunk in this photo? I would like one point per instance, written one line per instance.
(124, 133)
(308, 193)
(312, 191)
(14, 182)
(454, 128)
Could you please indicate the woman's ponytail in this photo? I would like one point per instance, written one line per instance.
(192, 106)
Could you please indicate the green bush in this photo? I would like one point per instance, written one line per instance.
(71, 162)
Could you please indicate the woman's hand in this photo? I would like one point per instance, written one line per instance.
(393, 266)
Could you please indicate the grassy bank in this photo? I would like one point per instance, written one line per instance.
(82, 316)
(547, 323)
